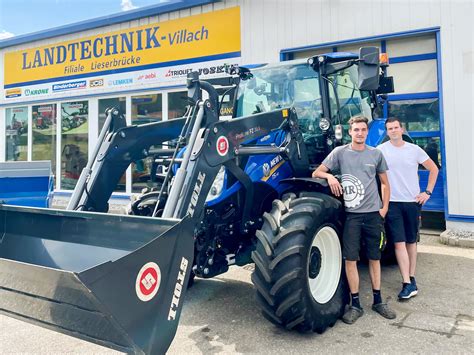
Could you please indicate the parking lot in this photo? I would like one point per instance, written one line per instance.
(221, 316)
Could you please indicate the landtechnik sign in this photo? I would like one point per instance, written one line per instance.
(205, 37)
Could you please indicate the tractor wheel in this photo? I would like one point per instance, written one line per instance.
(298, 274)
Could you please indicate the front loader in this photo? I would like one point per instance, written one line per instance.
(120, 281)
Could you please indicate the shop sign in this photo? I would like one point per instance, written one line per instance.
(196, 38)
(12, 93)
(34, 92)
(73, 85)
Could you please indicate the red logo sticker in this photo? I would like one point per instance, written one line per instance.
(222, 145)
(148, 281)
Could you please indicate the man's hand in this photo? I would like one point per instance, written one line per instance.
(422, 198)
(383, 212)
(335, 186)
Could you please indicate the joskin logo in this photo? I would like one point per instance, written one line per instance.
(354, 191)
(73, 85)
(34, 92)
(12, 93)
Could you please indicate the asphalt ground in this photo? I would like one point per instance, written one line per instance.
(220, 316)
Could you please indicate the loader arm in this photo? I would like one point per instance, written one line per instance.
(116, 153)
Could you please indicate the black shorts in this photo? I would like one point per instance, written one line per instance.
(403, 221)
(366, 227)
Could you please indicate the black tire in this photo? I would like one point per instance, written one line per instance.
(288, 266)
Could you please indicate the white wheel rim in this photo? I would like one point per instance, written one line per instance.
(324, 285)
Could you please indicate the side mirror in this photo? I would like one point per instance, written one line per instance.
(369, 68)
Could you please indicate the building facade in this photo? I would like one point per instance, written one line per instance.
(58, 83)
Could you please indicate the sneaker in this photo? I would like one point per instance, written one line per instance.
(352, 314)
(384, 310)
(408, 291)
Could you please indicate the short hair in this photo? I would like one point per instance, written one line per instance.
(393, 119)
(358, 119)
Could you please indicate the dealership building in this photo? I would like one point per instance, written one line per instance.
(57, 83)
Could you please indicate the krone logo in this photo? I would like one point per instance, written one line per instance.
(354, 191)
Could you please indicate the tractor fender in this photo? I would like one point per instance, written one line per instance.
(308, 184)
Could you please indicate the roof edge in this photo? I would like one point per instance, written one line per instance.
(102, 21)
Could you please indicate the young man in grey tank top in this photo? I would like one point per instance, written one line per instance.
(359, 166)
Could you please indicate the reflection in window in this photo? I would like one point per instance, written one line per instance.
(145, 109)
(44, 133)
(117, 102)
(74, 137)
(16, 134)
(431, 145)
(177, 102)
(120, 103)
(226, 102)
(417, 115)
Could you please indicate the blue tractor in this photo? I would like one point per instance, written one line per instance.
(268, 211)
(228, 192)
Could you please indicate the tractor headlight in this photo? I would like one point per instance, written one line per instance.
(217, 185)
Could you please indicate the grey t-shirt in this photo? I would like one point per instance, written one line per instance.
(359, 170)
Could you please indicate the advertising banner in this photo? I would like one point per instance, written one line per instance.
(83, 63)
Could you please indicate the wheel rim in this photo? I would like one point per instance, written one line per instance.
(324, 265)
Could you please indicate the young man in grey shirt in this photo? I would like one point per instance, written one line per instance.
(359, 166)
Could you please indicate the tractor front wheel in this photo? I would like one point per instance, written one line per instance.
(298, 273)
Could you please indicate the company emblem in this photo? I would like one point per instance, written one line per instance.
(148, 281)
(96, 83)
(149, 76)
(12, 93)
(119, 82)
(73, 85)
(222, 146)
(266, 169)
(34, 92)
(354, 191)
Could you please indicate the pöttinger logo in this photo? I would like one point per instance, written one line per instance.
(354, 191)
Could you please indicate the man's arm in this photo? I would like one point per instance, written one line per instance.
(322, 173)
(385, 187)
(433, 169)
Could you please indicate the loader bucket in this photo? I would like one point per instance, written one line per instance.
(114, 280)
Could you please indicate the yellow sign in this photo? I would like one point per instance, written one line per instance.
(209, 36)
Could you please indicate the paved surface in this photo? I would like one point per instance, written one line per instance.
(220, 317)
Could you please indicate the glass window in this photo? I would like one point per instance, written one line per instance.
(226, 102)
(354, 48)
(16, 133)
(414, 77)
(417, 115)
(431, 145)
(145, 109)
(401, 47)
(118, 102)
(44, 133)
(311, 53)
(177, 102)
(74, 138)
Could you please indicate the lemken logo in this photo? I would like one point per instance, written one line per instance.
(120, 82)
(73, 85)
(33, 92)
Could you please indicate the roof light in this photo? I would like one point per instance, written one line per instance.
(383, 59)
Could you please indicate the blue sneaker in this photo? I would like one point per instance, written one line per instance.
(408, 291)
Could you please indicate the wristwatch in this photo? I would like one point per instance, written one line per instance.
(428, 192)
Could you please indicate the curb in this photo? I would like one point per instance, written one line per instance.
(450, 237)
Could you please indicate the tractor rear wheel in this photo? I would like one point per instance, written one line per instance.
(298, 274)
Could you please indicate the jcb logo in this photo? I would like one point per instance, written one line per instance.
(95, 83)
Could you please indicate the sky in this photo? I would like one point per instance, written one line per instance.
(18, 17)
